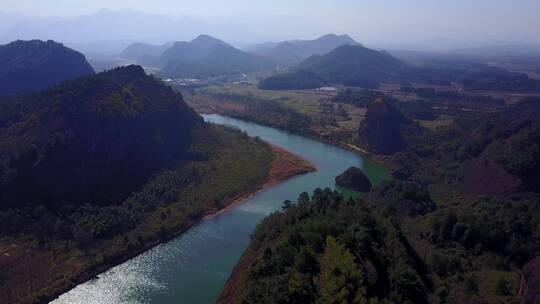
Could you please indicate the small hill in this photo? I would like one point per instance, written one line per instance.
(206, 56)
(92, 140)
(291, 52)
(354, 179)
(384, 129)
(351, 66)
(30, 66)
(194, 50)
(327, 250)
(504, 148)
(139, 51)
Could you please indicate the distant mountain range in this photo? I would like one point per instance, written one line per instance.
(138, 51)
(29, 66)
(347, 65)
(207, 56)
(110, 31)
(294, 51)
(202, 57)
(286, 52)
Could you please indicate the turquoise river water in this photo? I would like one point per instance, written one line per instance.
(193, 267)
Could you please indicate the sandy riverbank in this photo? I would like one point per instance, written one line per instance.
(284, 166)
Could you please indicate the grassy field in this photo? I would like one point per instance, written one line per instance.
(328, 120)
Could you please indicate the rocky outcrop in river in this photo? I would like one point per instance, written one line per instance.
(354, 179)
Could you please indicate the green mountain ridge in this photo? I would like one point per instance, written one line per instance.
(294, 51)
(30, 66)
(206, 56)
(77, 142)
(346, 65)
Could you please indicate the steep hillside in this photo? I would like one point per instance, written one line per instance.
(180, 51)
(385, 128)
(29, 66)
(347, 65)
(92, 140)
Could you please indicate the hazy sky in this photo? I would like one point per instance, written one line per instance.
(366, 20)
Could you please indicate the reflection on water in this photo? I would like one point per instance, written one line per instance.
(194, 267)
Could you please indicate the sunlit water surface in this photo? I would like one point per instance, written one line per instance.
(193, 267)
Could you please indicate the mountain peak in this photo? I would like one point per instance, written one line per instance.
(345, 39)
(30, 66)
(135, 71)
(206, 41)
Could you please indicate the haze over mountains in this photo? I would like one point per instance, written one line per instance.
(348, 65)
(294, 51)
(137, 51)
(202, 57)
(277, 53)
(109, 31)
(29, 66)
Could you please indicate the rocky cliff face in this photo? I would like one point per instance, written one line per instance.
(354, 179)
(30, 66)
(383, 129)
(92, 140)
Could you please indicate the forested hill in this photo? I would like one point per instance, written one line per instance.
(327, 249)
(459, 223)
(96, 170)
(347, 65)
(206, 56)
(502, 147)
(91, 140)
(29, 66)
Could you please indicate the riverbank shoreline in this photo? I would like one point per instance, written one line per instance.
(380, 160)
(284, 166)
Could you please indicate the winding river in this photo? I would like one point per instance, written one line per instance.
(194, 267)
